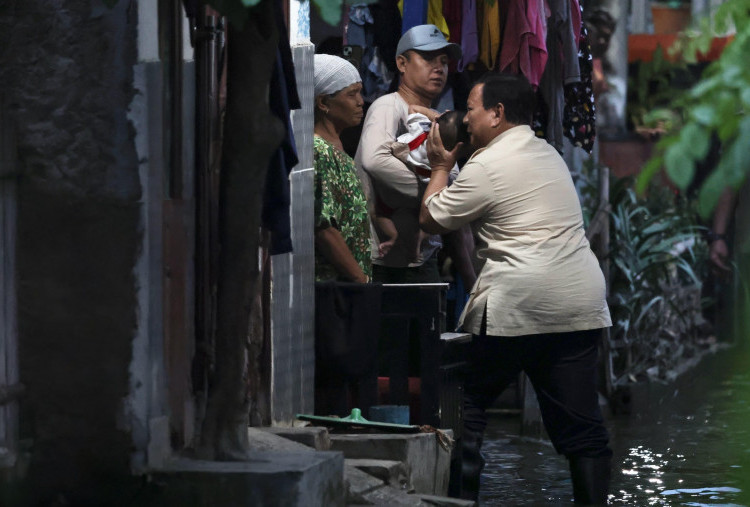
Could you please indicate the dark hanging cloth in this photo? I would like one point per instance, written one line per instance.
(453, 14)
(562, 66)
(347, 328)
(579, 118)
(283, 97)
(387, 19)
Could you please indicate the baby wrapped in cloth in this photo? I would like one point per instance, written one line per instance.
(411, 149)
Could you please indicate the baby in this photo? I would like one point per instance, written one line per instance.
(411, 149)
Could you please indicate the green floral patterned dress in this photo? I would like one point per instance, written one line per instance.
(340, 203)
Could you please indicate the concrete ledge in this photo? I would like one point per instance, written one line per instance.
(311, 436)
(442, 501)
(427, 463)
(393, 473)
(302, 479)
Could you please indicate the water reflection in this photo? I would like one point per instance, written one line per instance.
(686, 444)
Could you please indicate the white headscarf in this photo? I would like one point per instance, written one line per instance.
(333, 73)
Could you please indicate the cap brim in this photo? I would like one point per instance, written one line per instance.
(453, 50)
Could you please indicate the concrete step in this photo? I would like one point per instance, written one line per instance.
(392, 473)
(311, 436)
(303, 479)
(427, 463)
(444, 501)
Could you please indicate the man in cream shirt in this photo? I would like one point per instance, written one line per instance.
(539, 303)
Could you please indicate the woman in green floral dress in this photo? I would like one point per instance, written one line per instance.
(342, 227)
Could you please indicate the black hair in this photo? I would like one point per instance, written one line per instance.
(513, 91)
(452, 129)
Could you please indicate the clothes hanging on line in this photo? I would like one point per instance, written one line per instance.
(579, 116)
(561, 68)
(489, 31)
(545, 40)
(524, 47)
(420, 12)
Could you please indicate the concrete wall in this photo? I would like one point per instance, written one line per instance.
(67, 70)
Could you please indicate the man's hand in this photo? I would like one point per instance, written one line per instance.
(719, 256)
(431, 114)
(440, 158)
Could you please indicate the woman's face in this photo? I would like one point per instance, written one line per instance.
(345, 107)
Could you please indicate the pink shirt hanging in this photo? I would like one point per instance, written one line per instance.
(524, 48)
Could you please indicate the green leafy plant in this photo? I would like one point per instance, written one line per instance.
(655, 253)
(651, 88)
(716, 106)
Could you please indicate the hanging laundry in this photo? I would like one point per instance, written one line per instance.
(419, 12)
(576, 20)
(469, 35)
(276, 194)
(562, 67)
(489, 33)
(376, 78)
(358, 33)
(579, 117)
(388, 22)
(524, 48)
(452, 13)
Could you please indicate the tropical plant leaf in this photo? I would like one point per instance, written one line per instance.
(696, 140)
(680, 167)
(710, 192)
(646, 307)
(649, 170)
(704, 114)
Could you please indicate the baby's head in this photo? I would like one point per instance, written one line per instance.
(452, 129)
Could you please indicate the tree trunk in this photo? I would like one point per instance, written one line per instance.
(251, 135)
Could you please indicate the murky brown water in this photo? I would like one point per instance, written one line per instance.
(684, 444)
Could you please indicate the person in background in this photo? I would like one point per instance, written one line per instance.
(342, 227)
(422, 59)
(729, 255)
(539, 304)
(411, 149)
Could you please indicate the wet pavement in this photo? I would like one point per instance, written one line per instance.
(682, 444)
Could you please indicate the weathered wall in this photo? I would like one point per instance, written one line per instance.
(66, 66)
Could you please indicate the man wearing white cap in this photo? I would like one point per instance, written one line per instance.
(422, 59)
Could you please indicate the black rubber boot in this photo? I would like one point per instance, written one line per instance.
(590, 479)
(472, 464)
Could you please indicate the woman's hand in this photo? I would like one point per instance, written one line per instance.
(440, 158)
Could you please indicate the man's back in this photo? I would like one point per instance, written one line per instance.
(520, 198)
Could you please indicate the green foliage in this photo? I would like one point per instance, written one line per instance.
(716, 106)
(651, 89)
(656, 250)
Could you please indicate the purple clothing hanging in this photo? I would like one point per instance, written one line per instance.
(469, 35)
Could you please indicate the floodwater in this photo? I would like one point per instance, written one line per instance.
(687, 443)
